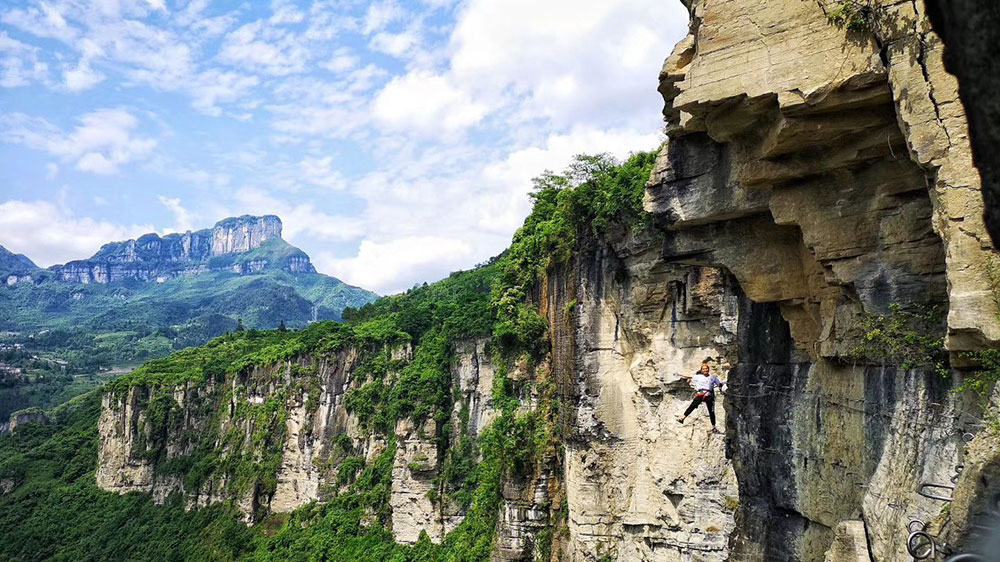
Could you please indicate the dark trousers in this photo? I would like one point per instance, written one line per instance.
(709, 403)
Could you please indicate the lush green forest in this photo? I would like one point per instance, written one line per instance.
(54, 511)
(91, 328)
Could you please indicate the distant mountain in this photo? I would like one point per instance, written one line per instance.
(143, 298)
(15, 264)
(231, 244)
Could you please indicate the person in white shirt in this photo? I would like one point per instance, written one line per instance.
(704, 384)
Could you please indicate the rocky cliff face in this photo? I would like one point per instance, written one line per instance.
(815, 178)
(290, 418)
(829, 171)
(136, 449)
(155, 258)
(639, 485)
(22, 417)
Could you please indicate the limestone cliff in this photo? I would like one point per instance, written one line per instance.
(288, 422)
(829, 170)
(816, 179)
(154, 258)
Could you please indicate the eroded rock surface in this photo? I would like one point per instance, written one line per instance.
(829, 171)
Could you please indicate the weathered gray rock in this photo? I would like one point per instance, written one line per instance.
(22, 417)
(155, 258)
(829, 172)
(970, 31)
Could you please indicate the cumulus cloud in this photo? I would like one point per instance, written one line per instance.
(381, 14)
(426, 103)
(301, 218)
(343, 59)
(597, 67)
(50, 234)
(101, 143)
(430, 149)
(468, 212)
(381, 266)
(184, 219)
(161, 57)
(82, 77)
(213, 87)
(44, 20)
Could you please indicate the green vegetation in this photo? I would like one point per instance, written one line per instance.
(982, 380)
(732, 503)
(54, 511)
(404, 347)
(855, 15)
(912, 337)
(110, 323)
(91, 329)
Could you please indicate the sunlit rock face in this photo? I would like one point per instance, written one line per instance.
(639, 485)
(830, 173)
(154, 258)
(812, 176)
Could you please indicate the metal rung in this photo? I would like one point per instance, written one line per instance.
(921, 491)
(921, 546)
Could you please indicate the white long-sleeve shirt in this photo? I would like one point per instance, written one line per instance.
(706, 382)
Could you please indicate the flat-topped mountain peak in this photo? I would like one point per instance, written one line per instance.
(245, 244)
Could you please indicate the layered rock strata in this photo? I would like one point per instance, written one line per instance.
(154, 258)
(311, 394)
(639, 485)
(814, 178)
(829, 171)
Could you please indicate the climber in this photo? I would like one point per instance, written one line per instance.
(704, 384)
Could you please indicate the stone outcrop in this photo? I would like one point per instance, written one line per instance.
(154, 258)
(639, 485)
(22, 417)
(829, 172)
(970, 31)
(135, 456)
(315, 415)
(814, 178)
(857, 175)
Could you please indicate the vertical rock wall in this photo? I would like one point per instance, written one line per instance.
(639, 485)
(829, 171)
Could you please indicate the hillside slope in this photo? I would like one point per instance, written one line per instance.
(145, 298)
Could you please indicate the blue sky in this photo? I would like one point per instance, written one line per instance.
(396, 140)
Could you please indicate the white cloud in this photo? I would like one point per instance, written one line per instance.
(426, 103)
(381, 266)
(320, 171)
(396, 44)
(286, 14)
(82, 77)
(268, 49)
(101, 143)
(597, 67)
(45, 20)
(212, 87)
(184, 219)
(381, 14)
(300, 219)
(19, 63)
(343, 60)
(49, 234)
(432, 161)
(462, 215)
